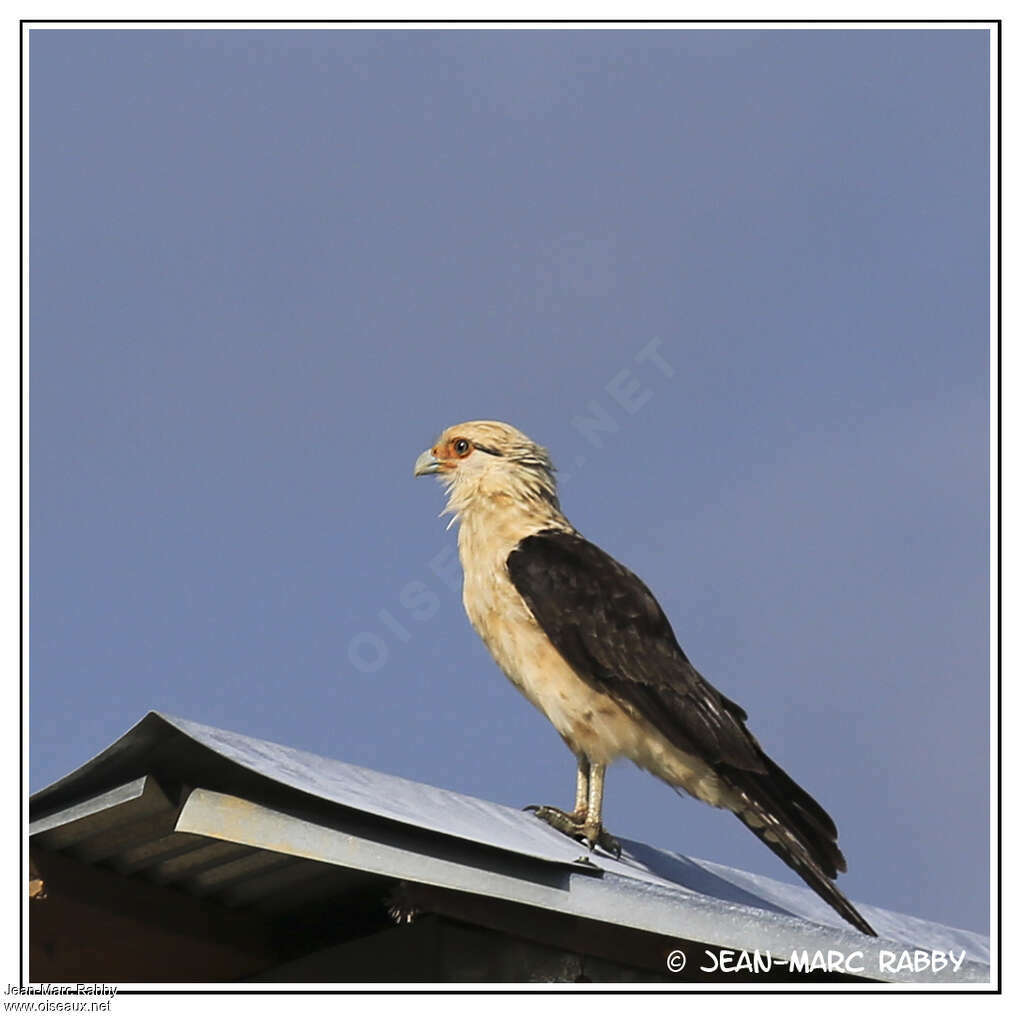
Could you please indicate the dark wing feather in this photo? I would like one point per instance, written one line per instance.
(614, 634)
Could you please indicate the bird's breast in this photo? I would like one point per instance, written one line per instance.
(589, 721)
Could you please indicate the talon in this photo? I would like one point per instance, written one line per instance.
(576, 826)
(599, 837)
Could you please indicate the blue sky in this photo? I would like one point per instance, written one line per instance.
(736, 281)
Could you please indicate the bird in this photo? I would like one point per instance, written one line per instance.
(587, 643)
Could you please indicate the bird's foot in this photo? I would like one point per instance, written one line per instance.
(575, 825)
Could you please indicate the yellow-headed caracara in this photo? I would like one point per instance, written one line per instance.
(586, 642)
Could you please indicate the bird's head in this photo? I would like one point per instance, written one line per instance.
(486, 461)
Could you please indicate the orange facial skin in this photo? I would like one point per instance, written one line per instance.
(448, 452)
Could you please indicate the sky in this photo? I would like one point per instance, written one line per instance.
(736, 281)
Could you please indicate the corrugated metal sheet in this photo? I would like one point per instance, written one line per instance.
(244, 821)
(327, 780)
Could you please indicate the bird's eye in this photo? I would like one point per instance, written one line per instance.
(461, 446)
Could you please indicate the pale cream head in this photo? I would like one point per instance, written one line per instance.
(486, 460)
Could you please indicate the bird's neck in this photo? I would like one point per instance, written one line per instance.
(491, 525)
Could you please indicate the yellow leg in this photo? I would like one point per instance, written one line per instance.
(585, 820)
(582, 788)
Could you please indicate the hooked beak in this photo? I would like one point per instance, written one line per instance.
(426, 464)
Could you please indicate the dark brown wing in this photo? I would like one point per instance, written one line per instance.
(607, 624)
(614, 634)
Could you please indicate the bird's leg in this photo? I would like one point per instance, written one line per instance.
(584, 822)
(582, 788)
(593, 831)
(569, 822)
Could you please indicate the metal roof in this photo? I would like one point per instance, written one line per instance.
(248, 822)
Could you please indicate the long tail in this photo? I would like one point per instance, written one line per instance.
(790, 822)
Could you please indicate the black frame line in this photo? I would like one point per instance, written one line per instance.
(995, 155)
